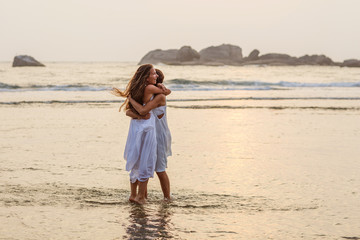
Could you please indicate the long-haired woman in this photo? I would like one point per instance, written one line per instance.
(163, 136)
(140, 149)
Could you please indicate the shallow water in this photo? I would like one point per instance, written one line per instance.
(246, 164)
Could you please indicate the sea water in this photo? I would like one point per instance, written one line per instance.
(259, 152)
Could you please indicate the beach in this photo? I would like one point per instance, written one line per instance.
(258, 153)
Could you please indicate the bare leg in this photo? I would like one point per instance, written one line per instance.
(133, 187)
(140, 197)
(165, 184)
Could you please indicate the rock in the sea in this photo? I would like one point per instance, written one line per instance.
(273, 59)
(25, 60)
(160, 56)
(275, 56)
(254, 55)
(351, 63)
(186, 54)
(316, 60)
(225, 53)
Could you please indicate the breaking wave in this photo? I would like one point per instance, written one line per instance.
(250, 85)
(69, 87)
(187, 85)
(49, 102)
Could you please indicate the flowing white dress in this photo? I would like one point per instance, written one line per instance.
(140, 149)
(163, 138)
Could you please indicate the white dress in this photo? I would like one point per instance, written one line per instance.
(140, 149)
(163, 138)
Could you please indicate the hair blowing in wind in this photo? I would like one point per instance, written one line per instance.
(135, 87)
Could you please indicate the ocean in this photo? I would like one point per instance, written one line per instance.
(259, 152)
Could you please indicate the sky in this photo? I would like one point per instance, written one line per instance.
(119, 30)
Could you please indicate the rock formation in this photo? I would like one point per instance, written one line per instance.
(186, 54)
(254, 55)
(316, 60)
(273, 59)
(227, 54)
(351, 63)
(160, 56)
(24, 61)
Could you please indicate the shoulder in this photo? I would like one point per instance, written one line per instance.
(160, 98)
(151, 88)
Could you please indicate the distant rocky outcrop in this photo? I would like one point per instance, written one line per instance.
(254, 55)
(26, 61)
(275, 56)
(316, 60)
(227, 54)
(186, 54)
(287, 60)
(351, 63)
(277, 59)
(160, 56)
(273, 59)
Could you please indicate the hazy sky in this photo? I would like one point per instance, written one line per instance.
(117, 30)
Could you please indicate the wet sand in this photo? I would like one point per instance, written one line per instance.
(242, 173)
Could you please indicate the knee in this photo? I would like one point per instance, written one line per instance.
(160, 174)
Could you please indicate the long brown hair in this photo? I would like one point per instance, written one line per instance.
(135, 87)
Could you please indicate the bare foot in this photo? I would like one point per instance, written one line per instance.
(140, 201)
(132, 199)
(167, 200)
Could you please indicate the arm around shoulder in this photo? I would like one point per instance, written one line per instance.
(159, 100)
(131, 114)
(166, 91)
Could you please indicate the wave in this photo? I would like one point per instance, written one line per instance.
(262, 98)
(62, 102)
(68, 87)
(187, 85)
(183, 100)
(8, 86)
(108, 102)
(268, 107)
(251, 85)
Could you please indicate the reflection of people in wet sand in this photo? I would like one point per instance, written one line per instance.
(163, 136)
(141, 146)
(155, 224)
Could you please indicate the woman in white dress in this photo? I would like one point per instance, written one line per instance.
(158, 108)
(140, 150)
